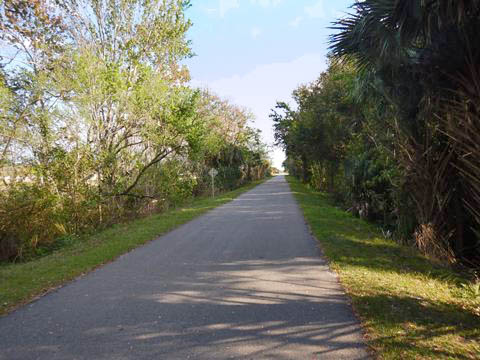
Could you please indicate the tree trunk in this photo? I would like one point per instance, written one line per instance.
(304, 169)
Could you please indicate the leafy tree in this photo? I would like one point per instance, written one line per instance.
(412, 54)
(98, 123)
(316, 133)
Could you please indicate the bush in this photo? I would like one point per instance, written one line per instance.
(31, 217)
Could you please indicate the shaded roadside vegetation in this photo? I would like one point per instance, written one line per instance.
(18, 286)
(392, 128)
(411, 307)
(98, 123)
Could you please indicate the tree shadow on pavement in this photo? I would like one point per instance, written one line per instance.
(244, 309)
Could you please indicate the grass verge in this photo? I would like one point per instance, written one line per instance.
(22, 282)
(410, 307)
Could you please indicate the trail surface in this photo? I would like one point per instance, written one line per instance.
(244, 281)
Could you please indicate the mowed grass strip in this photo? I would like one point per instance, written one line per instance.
(410, 307)
(22, 282)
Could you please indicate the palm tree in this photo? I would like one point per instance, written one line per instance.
(421, 57)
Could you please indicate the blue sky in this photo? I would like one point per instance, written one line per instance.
(255, 52)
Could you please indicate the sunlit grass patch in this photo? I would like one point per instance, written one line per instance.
(21, 282)
(411, 308)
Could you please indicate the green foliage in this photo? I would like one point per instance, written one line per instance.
(98, 124)
(30, 217)
(418, 58)
(315, 134)
(175, 184)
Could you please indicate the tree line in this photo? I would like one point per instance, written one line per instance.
(392, 127)
(98, 123)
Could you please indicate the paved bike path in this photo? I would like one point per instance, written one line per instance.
(244, 281)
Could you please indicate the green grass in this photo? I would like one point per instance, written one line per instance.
(411, 308)
(22, 282)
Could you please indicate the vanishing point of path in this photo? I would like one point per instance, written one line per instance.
(244, 281)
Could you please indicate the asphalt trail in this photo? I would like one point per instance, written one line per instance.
(244, 281)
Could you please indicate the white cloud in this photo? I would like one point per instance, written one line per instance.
(210, 10)
(296, 22)
(260, 88)
(255, 32)
(316, 11)
(226, 5)
(266, 3)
